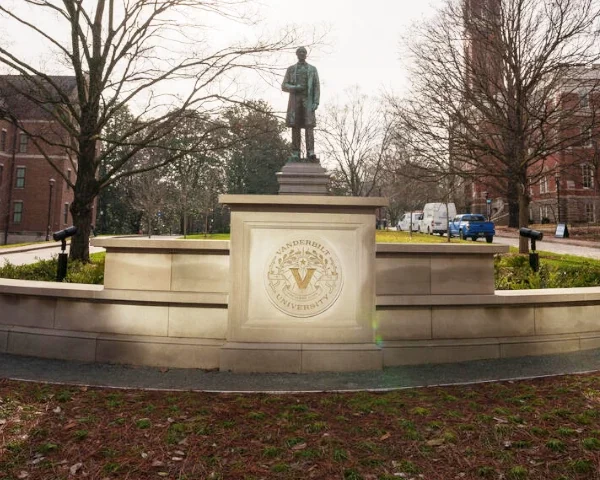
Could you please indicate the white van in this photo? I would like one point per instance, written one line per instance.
(404, 223)
(435, 218)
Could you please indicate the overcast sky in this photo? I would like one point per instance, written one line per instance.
(363, 41)
(363, 37)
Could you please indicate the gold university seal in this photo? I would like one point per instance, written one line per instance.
(303, 277)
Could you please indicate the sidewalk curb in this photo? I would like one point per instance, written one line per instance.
(102, 375)
(561, 241)
(29, 248)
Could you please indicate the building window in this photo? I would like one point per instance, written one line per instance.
(590, 213)
(17, 212)
(530, 190)
(586, 136)
(1, 172)
(20, 181)
(584, 100)
(544, 184)
(68, 176)
(66, 214)
(23, 141)
(588, 176)
(3, 141)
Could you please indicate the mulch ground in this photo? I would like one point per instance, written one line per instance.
(539, 429)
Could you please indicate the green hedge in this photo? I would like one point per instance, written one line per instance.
(512, 272)
(45, 270)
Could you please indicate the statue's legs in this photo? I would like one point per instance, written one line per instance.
(310, 142)
(296, 140)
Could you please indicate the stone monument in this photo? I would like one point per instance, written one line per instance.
(302, 175)
(302, 288)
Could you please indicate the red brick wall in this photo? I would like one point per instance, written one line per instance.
(36, 193)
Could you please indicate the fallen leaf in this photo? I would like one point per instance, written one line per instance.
(157, 463)
(22, 474)
(57, 410)
(300, 446)
(70, 425)
(177, 459)
(435, 442)
(179, 453)
(75, 468)
(386, 436)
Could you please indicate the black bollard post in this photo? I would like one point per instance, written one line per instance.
(534, 258)
(63, 258)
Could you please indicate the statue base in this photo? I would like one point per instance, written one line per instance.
(303, 178)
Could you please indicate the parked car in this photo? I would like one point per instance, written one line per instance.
(435, 218)
(473, 226)
(404, 224)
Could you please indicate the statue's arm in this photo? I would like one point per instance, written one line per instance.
(317, 91)
(287, 86)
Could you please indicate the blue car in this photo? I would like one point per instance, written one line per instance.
(473, 226)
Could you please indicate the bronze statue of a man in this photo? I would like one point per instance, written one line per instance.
(301, 81)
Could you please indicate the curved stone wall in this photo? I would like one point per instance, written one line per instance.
(164, 303)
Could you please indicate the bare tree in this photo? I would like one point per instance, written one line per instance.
(153, 55)
(148, 194)
(491, 79)
(355, 137)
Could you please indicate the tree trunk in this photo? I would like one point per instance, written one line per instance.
(81, 211)
(523, 220)
(512, 198)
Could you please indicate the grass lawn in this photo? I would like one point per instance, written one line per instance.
(546, 429)
(381, 236)
(13, 245)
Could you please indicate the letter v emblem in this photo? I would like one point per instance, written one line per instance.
(302, 282)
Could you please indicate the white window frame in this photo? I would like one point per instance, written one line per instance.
(544, 184)
(3, 139)
(587, 176)
(23, 144)
(17, 178)
(20, 212)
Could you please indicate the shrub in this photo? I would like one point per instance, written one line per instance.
(512, 272)
(45, 270)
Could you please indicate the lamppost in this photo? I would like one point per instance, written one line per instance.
(49, 209)
(557, 180)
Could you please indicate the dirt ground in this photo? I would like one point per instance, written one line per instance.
(537, 429)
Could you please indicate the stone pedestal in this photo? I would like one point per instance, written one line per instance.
(303, 178)
(302, 284)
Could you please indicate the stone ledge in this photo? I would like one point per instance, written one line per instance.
(98, 293)
(312, 201)
(439, 248)
(541, 298)
(167, 246)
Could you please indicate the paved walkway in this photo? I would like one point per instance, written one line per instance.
(122, 376)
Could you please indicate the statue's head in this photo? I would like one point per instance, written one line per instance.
(301, 53)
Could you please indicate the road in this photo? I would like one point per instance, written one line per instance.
(554, 247)
(32, 256)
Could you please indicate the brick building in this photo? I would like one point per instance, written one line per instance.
(568, 190)
(34, 197)
(565, 186)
